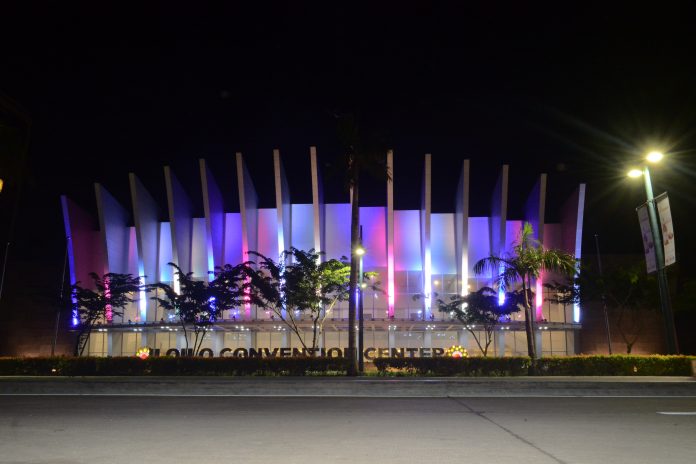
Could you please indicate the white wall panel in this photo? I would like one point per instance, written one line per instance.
(267, 239)
(303, 226)
(374, 224)
(512, 234)
(199, 253)
(233, 239)
(443, 244)
(479, 241)
(165, 252)
(407, 249)
(337, 230)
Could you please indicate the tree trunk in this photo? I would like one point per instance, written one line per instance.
(478, 342)
(183, 326)
(78, 342)
(315, 327)
(354, 263)
(84, 340)
(528, 326)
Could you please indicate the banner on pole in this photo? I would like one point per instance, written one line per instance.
(667, 229)
(648, 244)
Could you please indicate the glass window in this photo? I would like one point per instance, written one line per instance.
(415, 282)
(449, 283)
(558, 342)
(163, 341)
(444, 339)
(97, 344)
(332, 340)
(400, 281)
(131, 343)
(379, 340)
(404, 339)
(520, 343)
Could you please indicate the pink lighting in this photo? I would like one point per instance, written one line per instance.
(390, 280)
(107, 295)
(539, 297)
(427, 276)
(247, 290)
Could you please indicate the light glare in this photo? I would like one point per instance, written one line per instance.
(654, 156)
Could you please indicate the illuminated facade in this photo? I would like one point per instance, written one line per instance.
(415, 252)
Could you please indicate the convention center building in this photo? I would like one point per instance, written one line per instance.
(415, 252)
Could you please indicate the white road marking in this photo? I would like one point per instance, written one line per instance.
(284, 395)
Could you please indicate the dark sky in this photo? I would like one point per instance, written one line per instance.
(577, 91)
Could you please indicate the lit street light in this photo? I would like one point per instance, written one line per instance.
(670, 334)
(360, 251)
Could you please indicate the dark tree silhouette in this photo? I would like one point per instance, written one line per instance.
(360, 154)
(112, 293)
(526, 262)
(303, 287)
(480, 313)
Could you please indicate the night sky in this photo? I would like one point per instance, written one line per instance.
(575, 91)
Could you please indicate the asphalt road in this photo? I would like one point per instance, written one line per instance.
(87, 428)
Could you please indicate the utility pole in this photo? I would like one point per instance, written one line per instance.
(604, 298)
(361, 361)
(665, 303)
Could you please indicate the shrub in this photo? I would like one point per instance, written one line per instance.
(171, 366)
(441, 366)
(616, 365)
(446, 366)
(569, 365)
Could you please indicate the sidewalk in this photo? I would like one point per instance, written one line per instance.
(353, 387)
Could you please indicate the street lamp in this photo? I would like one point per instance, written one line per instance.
(668, 317)
(360, 251)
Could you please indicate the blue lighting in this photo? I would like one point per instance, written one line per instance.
(501, 289)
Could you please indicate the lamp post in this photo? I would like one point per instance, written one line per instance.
(665, 304)
(360, 251)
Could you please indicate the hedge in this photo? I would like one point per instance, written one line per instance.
(166, 365)
(440, 366)
(617, 365)
(513, 366)
(447, 366)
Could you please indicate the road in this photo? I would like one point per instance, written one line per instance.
(158, 427)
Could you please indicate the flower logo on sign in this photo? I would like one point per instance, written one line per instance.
(456, 351)
(143, 353)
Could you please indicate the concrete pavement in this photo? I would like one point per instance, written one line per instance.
(361, 386)
(305, 430)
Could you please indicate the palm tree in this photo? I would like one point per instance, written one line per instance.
(359, 155)
(527, 261)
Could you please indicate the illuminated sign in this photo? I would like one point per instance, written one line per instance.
(368, 353)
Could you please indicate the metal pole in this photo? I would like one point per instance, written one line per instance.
(604, 298)
(670, 334)
(4, 267)
(61, 299)
(361, 361)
